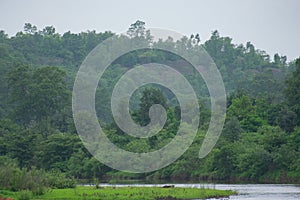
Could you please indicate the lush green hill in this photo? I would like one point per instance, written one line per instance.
(260, 140)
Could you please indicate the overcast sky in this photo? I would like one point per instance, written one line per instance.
(271, 25)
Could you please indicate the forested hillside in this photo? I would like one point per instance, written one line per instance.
(260, 140)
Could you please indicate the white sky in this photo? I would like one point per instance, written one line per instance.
(271, 25)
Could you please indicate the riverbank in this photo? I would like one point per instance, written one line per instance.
(133, 193)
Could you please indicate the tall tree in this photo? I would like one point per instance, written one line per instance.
(150, 96)
(30, 29)
(38, 94)
(138, 30)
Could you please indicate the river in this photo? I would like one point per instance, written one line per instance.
(245, 191)
(263, 191)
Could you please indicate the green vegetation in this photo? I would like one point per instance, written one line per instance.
(34, 180)
(260, 139)
(147, 193)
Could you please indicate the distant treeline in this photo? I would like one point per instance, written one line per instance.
(260, 140)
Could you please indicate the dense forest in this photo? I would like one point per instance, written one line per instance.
(259, 142)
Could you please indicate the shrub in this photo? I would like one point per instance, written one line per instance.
(25, 195)
(57, 179)
(36, 181)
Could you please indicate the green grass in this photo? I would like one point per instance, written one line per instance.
(7, 193)
(125, 193)
(133, 193)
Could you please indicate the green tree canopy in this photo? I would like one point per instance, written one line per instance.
(293, 90)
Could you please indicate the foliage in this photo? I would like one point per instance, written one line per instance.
(34, 180)
(25, 195)
(149, 97)
(293, 91)
(149, 193)
(260, 139)
(41, 91)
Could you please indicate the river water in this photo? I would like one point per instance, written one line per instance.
(263, 191)
(245, 191)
